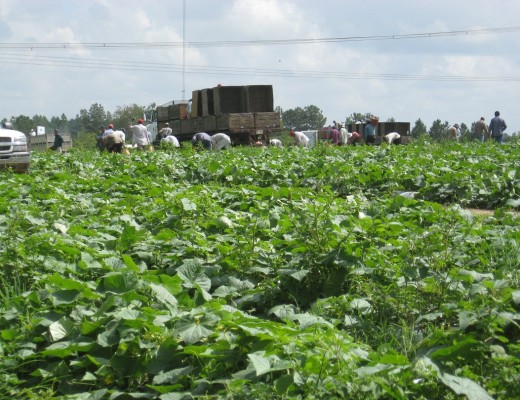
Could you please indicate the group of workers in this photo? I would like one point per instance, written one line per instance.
(339, 135)
(481, 131)
(113, 140)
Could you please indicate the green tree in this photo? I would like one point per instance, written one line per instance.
(61, 123)
(126, 114)
(23, 123)
(465, 132)
(310, 117)
(419, 129)
(438, 130)
(357, 117)
(94, 117)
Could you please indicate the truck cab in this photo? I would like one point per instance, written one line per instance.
(14, 154)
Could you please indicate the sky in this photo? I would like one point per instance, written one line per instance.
(455, 60)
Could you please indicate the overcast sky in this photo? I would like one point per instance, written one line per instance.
(408, 59)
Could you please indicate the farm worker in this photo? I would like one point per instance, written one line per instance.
(220, 141)
(58, 142)
(334, 136)
(370, 130)
(166, 131)
(140, 135)
(202, 139)
(481, 130)
(276, 143)
(393, 137)
(343, 135)
(108, 131)
(121, 132)
(454, 132)
(171, 140)
(188, 109)
(497, 126)
(113, 143)
(300, 139)
(354, 139)
(98, 136)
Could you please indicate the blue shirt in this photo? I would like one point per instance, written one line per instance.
(202, 137)
(497, 126)
(370, 130)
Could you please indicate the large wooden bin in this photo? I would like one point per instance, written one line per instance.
(259, 98)
(229, 100)
(235, 122)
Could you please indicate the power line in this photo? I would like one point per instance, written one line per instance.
(141, 66)
(242, 43)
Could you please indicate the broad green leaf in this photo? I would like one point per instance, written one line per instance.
(516, 297)
(65, 296)
(192, 273)
(467, 318)
(164, 296)
(361, 305)
(173, 376)
(260, 363)
(60, 329)
(465, 386)
(188, 205)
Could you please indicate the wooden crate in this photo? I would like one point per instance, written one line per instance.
(176, 126)
(196, 104)
(235, 122)
(259, 98)
(162, 114)
(324, 133)
(187, 126)
(267, 119)
(199, 124)
(177, 111)
(229, 100)
(208, 107)
(210, 123)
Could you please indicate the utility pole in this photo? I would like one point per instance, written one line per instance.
(183, 48)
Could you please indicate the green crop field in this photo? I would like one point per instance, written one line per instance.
(263, 273)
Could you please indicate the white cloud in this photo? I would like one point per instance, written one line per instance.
(352, 76)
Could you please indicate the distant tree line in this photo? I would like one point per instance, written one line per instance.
(311, 117)
(87, 122)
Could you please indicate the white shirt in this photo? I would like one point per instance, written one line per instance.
(301, 139)
(121, 134)
(343, 136)
(276, 142)
(171, 139)
(220, 141)
(139, 135)
(391, 137)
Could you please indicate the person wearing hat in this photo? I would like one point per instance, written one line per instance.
(164, 132)
(58, 142)
(454, 132)
(300, 139)
(109, 130)
(354, 139)
(140, 136)
(369, 134)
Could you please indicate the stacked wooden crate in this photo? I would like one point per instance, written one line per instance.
(237, 110)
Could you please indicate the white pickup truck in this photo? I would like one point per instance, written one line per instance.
(14, 154)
